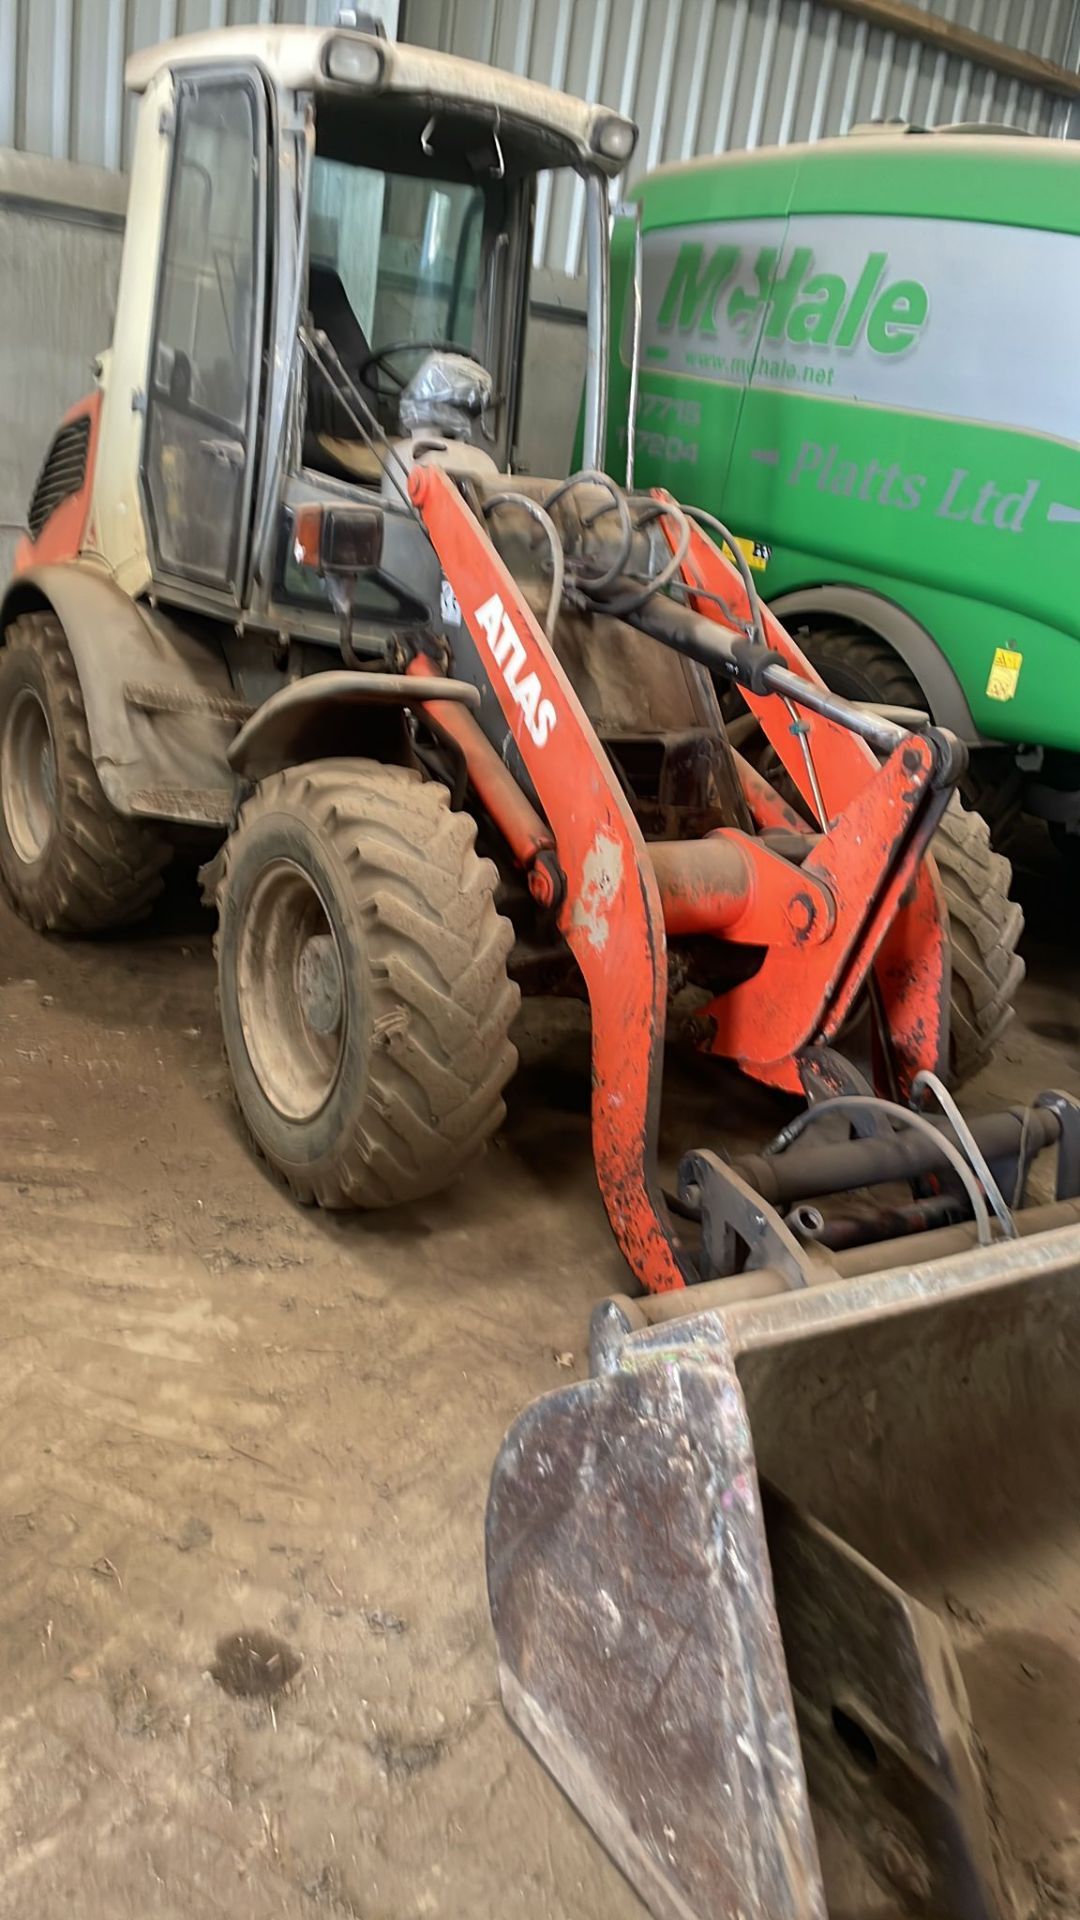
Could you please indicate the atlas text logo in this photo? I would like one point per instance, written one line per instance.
(799, 304)
(510, 656)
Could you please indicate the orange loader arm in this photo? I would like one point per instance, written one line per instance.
(864, 896)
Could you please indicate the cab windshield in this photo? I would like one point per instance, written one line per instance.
(403, 254)
(410, 247)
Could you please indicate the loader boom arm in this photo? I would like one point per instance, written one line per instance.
(610, 913)
(859, 893)
(907, 942)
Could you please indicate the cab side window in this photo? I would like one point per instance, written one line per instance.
(200, 399)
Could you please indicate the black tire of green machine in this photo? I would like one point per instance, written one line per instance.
(985, 926)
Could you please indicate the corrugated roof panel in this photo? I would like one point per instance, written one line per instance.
(703, 76)
(698, 75)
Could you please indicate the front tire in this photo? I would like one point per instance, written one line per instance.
(365, 1002)
(68, 861)
(984, 933)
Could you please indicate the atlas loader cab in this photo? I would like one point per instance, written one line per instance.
(325, 269)
(307, 208)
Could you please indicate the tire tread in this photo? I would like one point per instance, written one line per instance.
(103, 870)
(443, 1003)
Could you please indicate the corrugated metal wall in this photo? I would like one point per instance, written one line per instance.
(700, 76)
(62, 64)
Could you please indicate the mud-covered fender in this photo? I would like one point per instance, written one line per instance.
(919, 651)
(160, 707)
(337, 713)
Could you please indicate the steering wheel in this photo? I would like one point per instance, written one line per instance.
(377, 362)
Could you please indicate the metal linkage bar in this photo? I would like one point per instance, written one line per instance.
(808, 1172)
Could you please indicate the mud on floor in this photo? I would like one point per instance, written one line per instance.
(244, 1453)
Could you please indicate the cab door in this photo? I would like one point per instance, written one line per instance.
(202, 401)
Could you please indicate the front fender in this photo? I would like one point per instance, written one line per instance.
(317, 718)
(160, 707)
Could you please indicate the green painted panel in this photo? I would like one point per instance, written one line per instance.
(864, 354)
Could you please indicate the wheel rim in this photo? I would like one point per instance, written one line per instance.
(28, 776)
(290, 990)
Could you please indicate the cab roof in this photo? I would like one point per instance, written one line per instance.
(295, 58)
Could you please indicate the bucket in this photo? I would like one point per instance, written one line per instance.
(787, 1598)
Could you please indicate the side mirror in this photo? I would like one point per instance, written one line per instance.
(341, 543)
(337, 541)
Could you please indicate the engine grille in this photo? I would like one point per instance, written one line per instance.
(62, 474)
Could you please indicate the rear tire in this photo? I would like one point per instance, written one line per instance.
(365, 1002)
(68, 861)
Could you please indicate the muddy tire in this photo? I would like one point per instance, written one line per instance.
(68, 861)
(858, 665)
(984, 932)
(364, 995)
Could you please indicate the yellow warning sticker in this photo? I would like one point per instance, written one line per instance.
(1004, 674)
(756, 552)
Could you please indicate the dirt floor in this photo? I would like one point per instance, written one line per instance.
(223, 1416)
